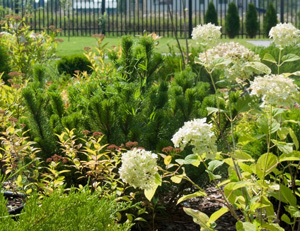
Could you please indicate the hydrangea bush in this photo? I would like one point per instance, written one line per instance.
(259, 188)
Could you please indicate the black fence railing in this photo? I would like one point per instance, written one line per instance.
(118, 17)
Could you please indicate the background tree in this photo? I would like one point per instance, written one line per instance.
(270, 19)
(211, 14)
(252, 24)
(232, 21)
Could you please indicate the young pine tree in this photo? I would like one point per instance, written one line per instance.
(270, 19)
(232, 21)
(252, 24)
(211, 14)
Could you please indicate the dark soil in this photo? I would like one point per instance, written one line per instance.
(178, 220)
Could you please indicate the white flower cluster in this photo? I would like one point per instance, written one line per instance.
(237, 56)
(197, 133)
(139, 168)
(275, 90)
(285, 34)
(207, 34)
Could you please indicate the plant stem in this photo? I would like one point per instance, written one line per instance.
(185, 31)
(227, 203)
(176, 37)
(279, 59)
(268, 152)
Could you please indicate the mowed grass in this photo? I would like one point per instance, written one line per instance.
(75, 45)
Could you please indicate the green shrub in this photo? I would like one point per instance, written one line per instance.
(74, 211)
(252, 24)
(70, 64)
(4, 61)
(211, 14)
(270, 19)
(232, 21)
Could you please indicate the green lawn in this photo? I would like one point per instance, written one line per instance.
(75, 45)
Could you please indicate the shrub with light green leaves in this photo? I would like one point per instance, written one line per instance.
(77, 210)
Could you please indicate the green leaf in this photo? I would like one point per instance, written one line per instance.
(245, 103)
(199, 218)
(278, 111)
(294, 211)
(290, 58)
(266, 164)
(231, 190)
(287, 196)
(286, 219)
(196, 194)
(192, 159)
(223, 83)
(265, 125)
(216, 215)
(245, 226)
(283, 146)
(140, 219)
(293, 156)
(272, 227)
(149, 193)
(268, 57)
(240, 155)
(259, 68)
(211, 110)
(19, 181)
(213, 176)
(179, 161)
(219, 62)
(294, 138)
(283, 132)
(213, 165)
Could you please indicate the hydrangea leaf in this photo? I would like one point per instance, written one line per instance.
(212, 165)
(269, 58)
(192, 159)
(290, 58)
(258, 67)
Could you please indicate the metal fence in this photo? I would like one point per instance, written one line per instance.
(119, 17)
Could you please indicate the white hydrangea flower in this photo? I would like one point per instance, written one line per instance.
(285, 34)
(197, 133)
(275, 90)
(139, 168)
(238, 57)
(207, 34)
